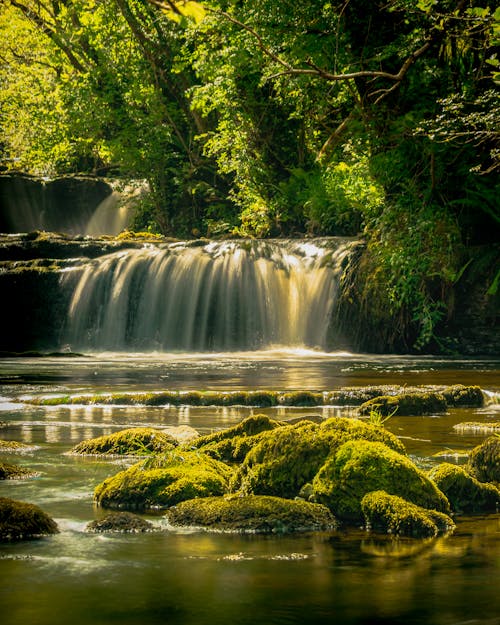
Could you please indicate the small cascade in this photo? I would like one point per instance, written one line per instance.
(219, 296)
(110, 217)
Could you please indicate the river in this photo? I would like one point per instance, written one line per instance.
(197, 578)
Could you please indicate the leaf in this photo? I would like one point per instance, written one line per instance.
(186, 9)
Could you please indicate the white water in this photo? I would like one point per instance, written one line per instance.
(231, 295)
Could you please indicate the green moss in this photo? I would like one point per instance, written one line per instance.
(123, 522)
(394, 515)
(252, 513)
(406, 404)
(285, 459)
(484, 461)
(14, 472)
(359, 467)
(131, 442)
(464, 396)
(300, 398)
(464, 492)
(164, 480)
(23, 521)
(261, 399)
(14, 446)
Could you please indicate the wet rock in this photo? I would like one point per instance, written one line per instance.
(130, 442)
(461, 396)
(122, 522)
(391, 514)
(182, 434)
(475, 427)
(256, 514)
(464, 492)
(23, 521)
(14, 472)
(406, 404)
(484, 461)
(164, 480)
(359, 467)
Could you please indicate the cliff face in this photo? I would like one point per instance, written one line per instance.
(60, 205)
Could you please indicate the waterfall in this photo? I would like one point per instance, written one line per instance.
(220, 296)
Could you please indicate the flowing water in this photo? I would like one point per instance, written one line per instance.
(210, 296)
(197, 578)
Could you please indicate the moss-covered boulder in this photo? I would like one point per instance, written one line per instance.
(300, 398)
(406, 404)
(286, 458)
(10, 471)
(164, 480)
(15, 447)
(461, 396)
(464, 492)
(359, 467)
(233, 444)
(484, 461)
(120, 522)
(259, 514)
(391, 514)
(129, 442)
(23, 521)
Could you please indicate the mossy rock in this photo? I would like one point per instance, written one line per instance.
(484, 461)
(300, 398)
(129, 442)
(233, 444)
(359, 467)
(476, 427)
(120, 522)
(414, 404)
(23, 521)
(464, 492)
(391, 514)
(14, 472)
(461, 396)
(286, 458)
(15, 447)
(164, 480)
(253, 513)
(262, 399)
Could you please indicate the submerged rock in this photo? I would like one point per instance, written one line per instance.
(394, 515)
(164, 480)
(464, 492)
(130, 442)
(406, 404)
(484, 461)
(259, 514)
(475, 427)
(359, 467)
(23, 521)
(122, 522)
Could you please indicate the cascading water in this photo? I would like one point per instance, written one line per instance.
(232, 295)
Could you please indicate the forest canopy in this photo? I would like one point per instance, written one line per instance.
(265, 118)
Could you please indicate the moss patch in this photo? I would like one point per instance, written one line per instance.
(286, 458)
(252, 513)
(484, 461)
(359, 467)
(122, 522)
(14, 472)
(15, 447)
(405, 404)
(131, 442)
(464, 492)
(164, 480)
(461, 396)
(394, 515)
(23, 521)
